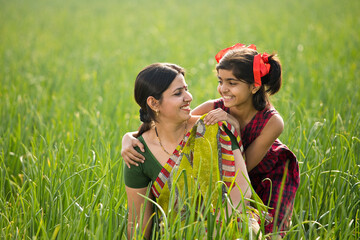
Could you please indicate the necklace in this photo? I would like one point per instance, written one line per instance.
(157, 135)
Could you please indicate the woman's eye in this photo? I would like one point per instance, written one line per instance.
(233, 83)
(178, 94)
(220, 82)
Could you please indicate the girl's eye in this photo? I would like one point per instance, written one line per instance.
(220, 82)
(178, 94)
(233, 83)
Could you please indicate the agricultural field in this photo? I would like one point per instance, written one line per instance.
(67, 72)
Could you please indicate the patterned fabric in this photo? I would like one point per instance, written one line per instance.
(205, 150)
(273, 167)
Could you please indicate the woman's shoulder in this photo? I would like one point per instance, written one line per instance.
(147, 154)
(192, 121)
(141, 175)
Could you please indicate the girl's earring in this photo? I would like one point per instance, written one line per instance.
(157, 113)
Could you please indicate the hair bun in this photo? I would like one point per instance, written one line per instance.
(144, 117)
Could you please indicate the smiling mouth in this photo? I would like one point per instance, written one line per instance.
(187, 108)
(227, 97)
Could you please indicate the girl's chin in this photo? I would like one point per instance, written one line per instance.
(228, 103)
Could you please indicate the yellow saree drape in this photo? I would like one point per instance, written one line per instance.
(205, 158)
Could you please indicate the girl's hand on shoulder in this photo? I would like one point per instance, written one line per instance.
(128, 152)
(217, 115)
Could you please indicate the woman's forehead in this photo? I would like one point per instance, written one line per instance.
(179, 82)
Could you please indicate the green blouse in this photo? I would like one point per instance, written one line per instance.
(147, 172)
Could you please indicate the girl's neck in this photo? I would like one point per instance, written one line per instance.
(244, 114)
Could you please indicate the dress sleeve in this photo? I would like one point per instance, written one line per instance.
(135, 177)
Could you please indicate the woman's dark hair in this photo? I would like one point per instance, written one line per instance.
(240, 62)
(153, 80)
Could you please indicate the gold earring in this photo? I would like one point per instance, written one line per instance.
(157, 113)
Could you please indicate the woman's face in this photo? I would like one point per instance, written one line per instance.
(234, 91)
(175, 102)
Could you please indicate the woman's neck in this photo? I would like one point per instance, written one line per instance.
(171, 132)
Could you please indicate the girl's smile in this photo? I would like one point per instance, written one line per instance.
(234, 91)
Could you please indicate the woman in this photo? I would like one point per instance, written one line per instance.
(170, 149)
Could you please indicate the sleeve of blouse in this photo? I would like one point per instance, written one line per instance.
(135, 177)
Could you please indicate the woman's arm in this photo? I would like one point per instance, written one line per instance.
(128, 153)
(260, 146)
(135, 205)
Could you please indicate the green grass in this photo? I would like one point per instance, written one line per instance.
(67, 70)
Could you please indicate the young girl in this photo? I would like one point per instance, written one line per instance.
(245, 79)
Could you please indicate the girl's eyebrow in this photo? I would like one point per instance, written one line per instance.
(228, 79)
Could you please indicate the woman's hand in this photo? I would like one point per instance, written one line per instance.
(128, 153)
(217, 115)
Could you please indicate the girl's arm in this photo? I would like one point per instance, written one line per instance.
(135, 205)
(203, 108)
(128, 153)
(260, 146)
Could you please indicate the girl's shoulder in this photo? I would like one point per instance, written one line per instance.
(270, 109)
(274, 123)
(265, 114)
(268, 117)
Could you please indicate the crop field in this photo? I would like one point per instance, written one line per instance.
(67, 72)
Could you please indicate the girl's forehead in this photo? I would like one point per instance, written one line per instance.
(225, 73)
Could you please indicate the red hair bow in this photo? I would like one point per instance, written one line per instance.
(261, 67)
(220, 54)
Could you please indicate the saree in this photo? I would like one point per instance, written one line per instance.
(203, 160)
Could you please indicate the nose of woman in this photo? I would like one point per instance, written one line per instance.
(187, 97)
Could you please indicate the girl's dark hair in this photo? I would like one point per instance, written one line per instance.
(240, 62)
(153, 80)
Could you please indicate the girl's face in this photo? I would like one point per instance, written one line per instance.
(175, 102)
(234, 92)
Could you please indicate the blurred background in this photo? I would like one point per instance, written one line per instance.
(67, 70)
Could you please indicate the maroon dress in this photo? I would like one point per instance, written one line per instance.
(272, 166)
